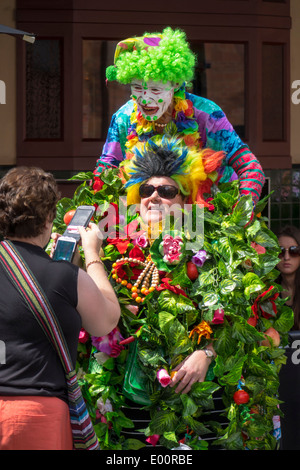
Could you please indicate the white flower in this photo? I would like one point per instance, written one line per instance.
(104, 407)
(101, 357)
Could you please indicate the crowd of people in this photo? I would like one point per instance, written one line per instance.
(172, 148)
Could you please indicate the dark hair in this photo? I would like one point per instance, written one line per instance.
(28, 198)
(156, 160)
(293, 232)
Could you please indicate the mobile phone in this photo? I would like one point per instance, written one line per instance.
(81, 218)
(64, 249)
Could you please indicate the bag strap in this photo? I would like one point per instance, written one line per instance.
(36, 300)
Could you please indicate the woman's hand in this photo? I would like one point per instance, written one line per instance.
(91, 240)
(76, 258)
(193, 369)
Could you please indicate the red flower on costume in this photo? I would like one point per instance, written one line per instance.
(262, 305)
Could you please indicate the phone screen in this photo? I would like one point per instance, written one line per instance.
(64, 249)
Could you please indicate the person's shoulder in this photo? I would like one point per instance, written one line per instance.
(125, 109)
(204, 104)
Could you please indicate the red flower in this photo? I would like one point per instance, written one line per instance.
(165, 285)
(119, 243)
(136, 253)
(262, 305)
(98, 183)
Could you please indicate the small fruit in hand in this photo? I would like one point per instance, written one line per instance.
(241, 397)
(69, 216)
(274, 335)
(192, 271)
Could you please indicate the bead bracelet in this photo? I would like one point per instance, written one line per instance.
(93, 262)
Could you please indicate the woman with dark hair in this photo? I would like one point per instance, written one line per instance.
(289, 267)
(34, 412)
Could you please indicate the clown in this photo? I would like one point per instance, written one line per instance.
(158, 67)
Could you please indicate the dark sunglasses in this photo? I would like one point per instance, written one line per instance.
(292, 250)
(166, 191)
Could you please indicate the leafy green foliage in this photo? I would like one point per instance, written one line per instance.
(238, 278)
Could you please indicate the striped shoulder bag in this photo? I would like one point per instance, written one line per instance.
(84, 437)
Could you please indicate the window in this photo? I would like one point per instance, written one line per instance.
(44, 90)
(220, 77)
(100, 100)
(272, 92)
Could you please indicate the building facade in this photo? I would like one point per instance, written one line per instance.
(58, 105)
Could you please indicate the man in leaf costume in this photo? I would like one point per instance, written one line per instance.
(230, 305)
(158, 66)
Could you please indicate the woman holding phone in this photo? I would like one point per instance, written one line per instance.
(34, 413)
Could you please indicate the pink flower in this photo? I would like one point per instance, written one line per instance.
(140, 241)
(83, 336)
(218, 316)
(210, 206)
(133, 309)
(153, 439)
(102, 419)
(163, 377)
(109, 344)
(170, 248)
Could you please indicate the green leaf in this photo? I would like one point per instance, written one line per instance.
(224, 343)
(209, 299)
(133, 444)
(265, 239)
(164, 318)
(252, 284)
(163, 421)
(242, 211)
(203, 389)
(285, 321)
(82, 176)
(189, 406)
(196, 426)
(245, 333)
(171, 437)
(226, 286)
(235, 373)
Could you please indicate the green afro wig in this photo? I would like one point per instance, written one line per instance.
(160, 57)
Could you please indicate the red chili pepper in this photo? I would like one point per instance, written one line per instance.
(130, 339)
(127, 340)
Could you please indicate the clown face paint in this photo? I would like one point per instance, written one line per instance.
(153, 98)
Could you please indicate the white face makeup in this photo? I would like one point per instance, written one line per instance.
(153, 98)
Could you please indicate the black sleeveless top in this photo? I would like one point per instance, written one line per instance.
(28, 363)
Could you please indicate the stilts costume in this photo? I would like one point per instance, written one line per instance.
(197, 121)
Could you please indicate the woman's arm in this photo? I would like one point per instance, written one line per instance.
(97, 303)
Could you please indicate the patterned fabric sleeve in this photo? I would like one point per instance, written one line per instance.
(113, 151)
(217, 133)
(249, 172)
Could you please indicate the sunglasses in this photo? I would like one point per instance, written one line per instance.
(292, 250)
(166, 191)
